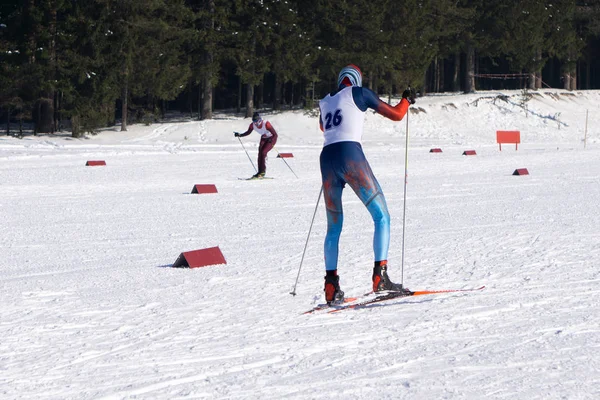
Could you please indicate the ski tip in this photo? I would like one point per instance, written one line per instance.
(422, 292)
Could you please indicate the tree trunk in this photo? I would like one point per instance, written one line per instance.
(260, 95)
(538, 74)
(124, 95)
(470, 79)
(190, 105)
(239, 99)
(277, 92)
(532, 80)
(207, 98)
(442, 71)
(375, 81)
(456, 74)
(588, 71)
(52, 62)
(75, 128)
(31, 29)
(249, 100)
(7, 121)
(436, 75)
(566, 80)
(425, 88)
(43, 116)
(207, 85)
(200, 92)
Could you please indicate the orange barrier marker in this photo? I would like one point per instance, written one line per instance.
(521, 171)
(95, 163)
(204, 189)
(469, 153)
(436, 150)
(200, 258)
(285, 155)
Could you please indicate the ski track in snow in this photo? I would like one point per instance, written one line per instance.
(91, 309)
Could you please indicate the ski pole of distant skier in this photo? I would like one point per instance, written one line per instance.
(293, 292)
(247, 154)
(404, 212)
(288, 165)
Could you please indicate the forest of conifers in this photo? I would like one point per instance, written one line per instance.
(80, 65)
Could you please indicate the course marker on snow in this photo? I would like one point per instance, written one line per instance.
(285, 155)
(469, 153)
(508, 137)
(93, 163)
(204, 189)
(200, 258)
(521, 171)
(436, 150)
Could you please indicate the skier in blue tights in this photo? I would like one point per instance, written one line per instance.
(343, 162)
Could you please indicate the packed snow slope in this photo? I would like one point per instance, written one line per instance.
(91, 308)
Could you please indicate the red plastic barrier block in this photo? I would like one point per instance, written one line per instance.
(95, 163)
(436, 150)
(285, 155)
(200, 258)
(521, 171)
(204, 189)
(469, 153)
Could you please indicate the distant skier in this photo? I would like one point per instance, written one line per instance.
(267, 141)
(343, 161)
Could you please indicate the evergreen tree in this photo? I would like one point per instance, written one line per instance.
(31, 28)
(523, 36)
(587, 22)
(9, 63)
(563, 41)
(142, 52)
(289, 50)
(249, 39)
(206, 48)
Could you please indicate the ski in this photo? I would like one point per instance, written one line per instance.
(397, 295)
(255, 179)
(325, 306)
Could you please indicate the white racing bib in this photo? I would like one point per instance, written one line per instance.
(342, 120)
(261, 129)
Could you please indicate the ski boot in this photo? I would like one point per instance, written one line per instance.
(258, 175)
(382, 282)
(333, 293)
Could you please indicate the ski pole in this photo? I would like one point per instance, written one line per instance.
(247, 153)
(293, 292)
(404, 212)
(288, 165)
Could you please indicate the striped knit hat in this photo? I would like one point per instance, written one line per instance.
(350, 74)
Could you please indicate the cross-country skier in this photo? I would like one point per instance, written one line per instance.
(343, 162)
(267, 141)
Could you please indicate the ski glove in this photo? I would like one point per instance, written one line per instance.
(236, 134)
(409, 95)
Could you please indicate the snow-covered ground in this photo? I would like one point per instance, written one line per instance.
(90, 308)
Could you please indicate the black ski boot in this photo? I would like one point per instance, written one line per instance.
(258, 175)
(382, 282)
(333, 293)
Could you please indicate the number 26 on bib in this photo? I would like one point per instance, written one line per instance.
(334, 119)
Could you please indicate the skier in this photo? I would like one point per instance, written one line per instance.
(267, 141)
(343, 161)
